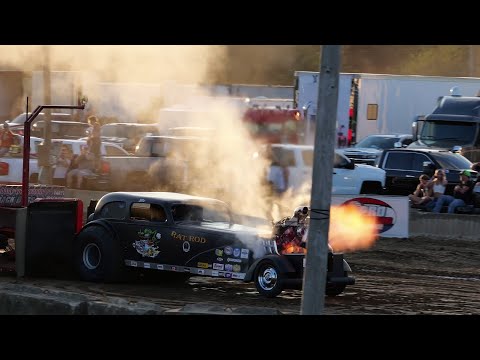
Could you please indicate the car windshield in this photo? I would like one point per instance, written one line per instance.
(446, 134)
(452, 161)
(205, 211)
(20, 119)
(377, 142)
(126, 131)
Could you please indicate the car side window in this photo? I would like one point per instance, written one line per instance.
(307, 156)
(113, 151)
(114, 210)
(418, 160)
(148, 212)
(285, 157)
(399, 161)
(339, 161)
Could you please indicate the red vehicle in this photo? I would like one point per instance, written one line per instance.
(273, 125)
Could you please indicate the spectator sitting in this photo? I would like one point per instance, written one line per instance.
(462, 195)
(84, 166)
(423, 193)
(438, 186)
(476, 188)
(62, 166)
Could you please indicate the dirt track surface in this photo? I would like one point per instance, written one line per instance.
(396, 276)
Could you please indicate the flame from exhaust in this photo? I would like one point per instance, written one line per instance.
(351, 228)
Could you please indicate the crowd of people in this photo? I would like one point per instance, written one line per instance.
(430, 192)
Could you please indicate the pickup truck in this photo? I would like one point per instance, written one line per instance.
(11, 167)
(369, 149)
(404, 166)
(153, 165)
(348, 178)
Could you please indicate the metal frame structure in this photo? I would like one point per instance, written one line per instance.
(26, 144)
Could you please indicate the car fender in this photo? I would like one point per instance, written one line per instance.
(101, 223)
(281, 261)
(346, 267)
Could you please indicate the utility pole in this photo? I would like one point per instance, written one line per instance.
(315, 276)
(471, 60)
(46, 172)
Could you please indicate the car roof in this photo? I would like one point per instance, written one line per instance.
(64, 122)
(422, 150)
(390, 135)
(130, 124)
(168, 197)
(296, 146)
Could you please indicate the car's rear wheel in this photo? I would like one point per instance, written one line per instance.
(98, 256)
(268, 279)
(335, 290)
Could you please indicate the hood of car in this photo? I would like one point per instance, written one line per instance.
(361, 151)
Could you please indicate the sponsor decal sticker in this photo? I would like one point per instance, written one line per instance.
(189, 238)
(203, 265)
(228, 275)
(237, 268)
(238, 276)
(133, 263)
(201, 272)
(146, 265)
(234, 260)
(244, 254)
(219, 252)
(228, 267)
(228, 250)
(220, 259)
(214, 273)
(186, 246)
(159, 267)
(217, 266)
(147, 245)
(236, 252)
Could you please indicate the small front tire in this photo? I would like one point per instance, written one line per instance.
(268, 279)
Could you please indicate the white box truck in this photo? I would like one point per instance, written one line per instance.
(378, 104)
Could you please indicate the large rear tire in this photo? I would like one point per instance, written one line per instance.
(98, 256)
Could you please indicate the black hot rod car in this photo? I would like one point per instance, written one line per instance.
(195, 236)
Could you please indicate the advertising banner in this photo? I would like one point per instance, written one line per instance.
(392, 212)
(11, 195)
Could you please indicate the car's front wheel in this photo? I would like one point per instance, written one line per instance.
(268, 279)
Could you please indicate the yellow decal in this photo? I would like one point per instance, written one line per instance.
(190, 238)
(202, 265)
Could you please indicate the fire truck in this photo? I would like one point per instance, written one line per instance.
(274, 125)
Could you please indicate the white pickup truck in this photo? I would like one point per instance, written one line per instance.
(11, 167)
(348, 178)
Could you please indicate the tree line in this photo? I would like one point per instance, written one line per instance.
(275, 64)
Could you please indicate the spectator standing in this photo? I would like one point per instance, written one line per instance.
(94, 140)
(7, 139)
